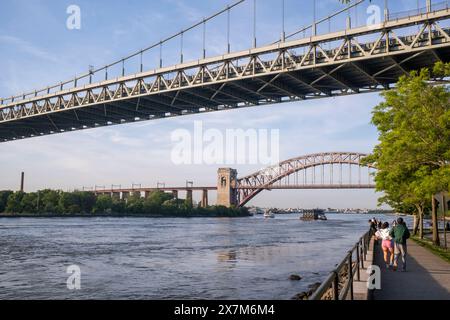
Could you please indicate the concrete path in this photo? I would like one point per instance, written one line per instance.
(427, 277)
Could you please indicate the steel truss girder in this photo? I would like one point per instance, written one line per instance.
(227, 70)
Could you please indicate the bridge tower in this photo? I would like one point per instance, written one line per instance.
(226, 187)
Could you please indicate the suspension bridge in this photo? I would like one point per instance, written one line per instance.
(350, 59)
(330, 170)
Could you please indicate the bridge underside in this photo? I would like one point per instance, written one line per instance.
(358, 60)
(373, 74)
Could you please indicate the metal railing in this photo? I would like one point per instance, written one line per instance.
(444, 5)
(339, 283)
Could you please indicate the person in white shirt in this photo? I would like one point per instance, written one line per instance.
(387, 244)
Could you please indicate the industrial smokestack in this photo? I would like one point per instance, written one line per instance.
(22, 182)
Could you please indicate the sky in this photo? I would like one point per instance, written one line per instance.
(38, 50)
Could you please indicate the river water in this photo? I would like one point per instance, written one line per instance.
(147, 258)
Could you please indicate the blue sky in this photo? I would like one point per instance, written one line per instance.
(38, 50)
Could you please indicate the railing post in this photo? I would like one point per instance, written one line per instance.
(350, 274)
(363, 256)
(358, 258)
(336, 286)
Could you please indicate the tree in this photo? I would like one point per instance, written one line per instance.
(104, 204)
(135, 204)
(156, 199)
(48, 201)
(4, 195)
(86, 201)
(29, 203)
(118, 206)
(413, 154)
(14, 203)
(67, 203)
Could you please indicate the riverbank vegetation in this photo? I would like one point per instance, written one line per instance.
(428, 244)
(413, 154)
(59, 203)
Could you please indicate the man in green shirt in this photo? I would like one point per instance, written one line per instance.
(400, 234)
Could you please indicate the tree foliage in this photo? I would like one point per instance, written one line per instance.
(58, 203)
(413, 154)
(4, 195)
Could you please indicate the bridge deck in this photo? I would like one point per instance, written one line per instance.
(310, 68)
(274, 187)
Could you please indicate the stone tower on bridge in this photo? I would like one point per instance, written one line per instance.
(226, 187)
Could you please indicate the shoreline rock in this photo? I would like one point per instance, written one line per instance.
(306, 294)
(295, 277)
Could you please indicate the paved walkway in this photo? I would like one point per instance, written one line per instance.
(427, 277)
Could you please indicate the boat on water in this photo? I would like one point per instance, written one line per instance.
(269, 214)
(332, 211)
(312, 215)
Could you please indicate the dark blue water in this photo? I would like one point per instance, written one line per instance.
(133, 258)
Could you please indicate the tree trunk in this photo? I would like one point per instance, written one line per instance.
(416, 224)
(420, 212)
(435, 221)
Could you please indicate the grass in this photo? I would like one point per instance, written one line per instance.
(428, 244)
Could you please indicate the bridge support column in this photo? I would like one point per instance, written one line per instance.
(226, 187)
(175, 194)
(115, 195)
(204, 203)
(147, 194)
(125, 195)
(189, 199)
(137, 194)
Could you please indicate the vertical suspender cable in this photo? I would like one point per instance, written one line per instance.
(329, 31)
(331, 174)
(204, 39)
(181, 47)
(283, 30)
(386, 10)
(314, 26)
(359, 174)
(349, 17)
(142, 64)
(254, 24)
(228, 30)
(160, 54)
(350, 173)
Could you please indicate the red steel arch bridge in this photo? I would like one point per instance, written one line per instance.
(330, 170)
(346, 60)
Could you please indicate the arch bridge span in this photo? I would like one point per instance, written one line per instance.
(328, 170)
(331, 170)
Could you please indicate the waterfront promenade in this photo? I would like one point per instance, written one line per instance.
(427, 277)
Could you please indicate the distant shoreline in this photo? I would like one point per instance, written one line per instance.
(2, 216)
